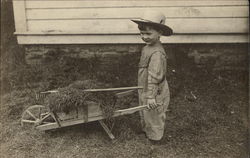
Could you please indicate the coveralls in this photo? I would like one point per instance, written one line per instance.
(152, 77)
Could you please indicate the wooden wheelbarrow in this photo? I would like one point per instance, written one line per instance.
(42, 118)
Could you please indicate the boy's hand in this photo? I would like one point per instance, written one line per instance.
(152, 104)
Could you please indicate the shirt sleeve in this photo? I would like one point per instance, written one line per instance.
(156, 73)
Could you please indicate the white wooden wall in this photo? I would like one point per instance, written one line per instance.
(102, 21)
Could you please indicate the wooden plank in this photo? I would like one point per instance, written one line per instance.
(94, 109)
(192, 25)
(20, 15)
(131, 13)
(122, 4)
(131, 39)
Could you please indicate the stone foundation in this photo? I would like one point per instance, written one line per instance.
(212, 56)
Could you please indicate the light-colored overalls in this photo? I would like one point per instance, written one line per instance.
(152, 77)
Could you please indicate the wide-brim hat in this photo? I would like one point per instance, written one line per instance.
(156, 19)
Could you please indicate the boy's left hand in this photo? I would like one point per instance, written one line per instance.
(152, 104)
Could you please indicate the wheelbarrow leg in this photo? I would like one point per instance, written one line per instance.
(107, 130)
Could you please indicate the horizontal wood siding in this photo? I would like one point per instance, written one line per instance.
(128, 3)
(136, 12)
(222, 25)
(113, 17)
(126, 39)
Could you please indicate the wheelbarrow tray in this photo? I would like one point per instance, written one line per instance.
(79, 115)
(94, 114)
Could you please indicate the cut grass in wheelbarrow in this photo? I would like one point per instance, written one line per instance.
(73, 105)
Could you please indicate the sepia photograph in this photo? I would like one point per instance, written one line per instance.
(124, 79)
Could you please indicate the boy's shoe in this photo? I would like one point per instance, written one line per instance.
(156, 142)
(141, 133)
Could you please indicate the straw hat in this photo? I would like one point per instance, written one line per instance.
(156, 19)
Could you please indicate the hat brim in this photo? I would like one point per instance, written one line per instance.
(166, 30)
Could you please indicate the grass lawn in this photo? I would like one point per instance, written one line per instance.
(212, 126)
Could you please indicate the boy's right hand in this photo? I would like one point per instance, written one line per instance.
(152, 104)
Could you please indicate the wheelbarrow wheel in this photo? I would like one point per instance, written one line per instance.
(36, 115)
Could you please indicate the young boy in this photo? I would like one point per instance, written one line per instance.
(152, 74)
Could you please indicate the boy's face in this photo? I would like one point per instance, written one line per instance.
(150, 36)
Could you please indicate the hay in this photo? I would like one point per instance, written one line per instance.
(73, 97)
(66, 99)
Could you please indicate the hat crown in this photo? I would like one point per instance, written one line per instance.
(153, 16)
(157, 19)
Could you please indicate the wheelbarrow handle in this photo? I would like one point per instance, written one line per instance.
(111, 89)
(130, 110)
(97, 90)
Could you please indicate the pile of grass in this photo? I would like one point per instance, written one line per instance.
(65, 100)
(73, 97)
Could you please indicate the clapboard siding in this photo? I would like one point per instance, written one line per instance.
(102, 19)
(126, 39)
(184, 26)
(124, 3)
(128, 13)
